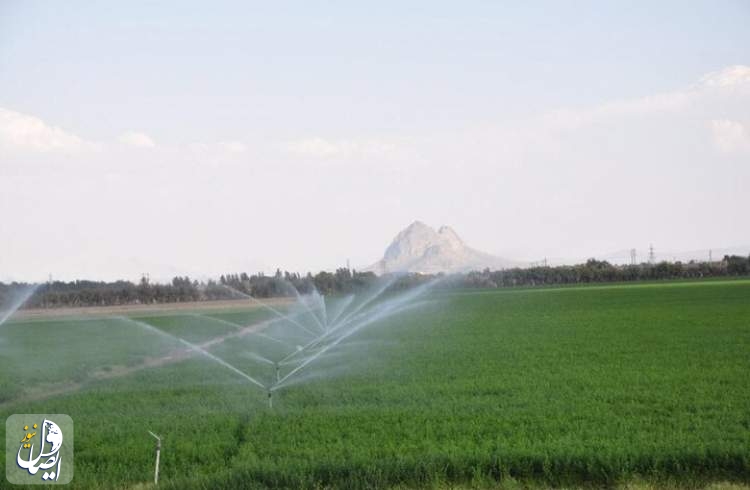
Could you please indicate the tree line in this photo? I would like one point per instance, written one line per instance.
(343, 281)
(182, 289)
(598, 271)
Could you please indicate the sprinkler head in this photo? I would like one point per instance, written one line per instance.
(270, 399)
(158, 440)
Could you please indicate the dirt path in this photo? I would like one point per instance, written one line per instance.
(105, 311)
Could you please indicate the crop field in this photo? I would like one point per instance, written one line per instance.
(589, 386)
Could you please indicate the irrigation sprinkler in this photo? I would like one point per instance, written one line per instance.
(349, 320)
(158, 453)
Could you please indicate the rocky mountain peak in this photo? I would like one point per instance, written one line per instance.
(419, 248)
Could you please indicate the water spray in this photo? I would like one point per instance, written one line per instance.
(271, 309)
(210, 356)
(386, 309)
(222, 362)
(15, 306)
(158, 453)
(341, 306)
(347, 321)
(304, 303)
(370, 299)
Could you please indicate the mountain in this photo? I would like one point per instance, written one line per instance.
(419, 248)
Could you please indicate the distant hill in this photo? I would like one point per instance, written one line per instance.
(419, 248)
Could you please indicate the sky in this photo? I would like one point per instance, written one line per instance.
(208, 137)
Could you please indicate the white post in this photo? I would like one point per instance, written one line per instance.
(158, 453)
(156, 473)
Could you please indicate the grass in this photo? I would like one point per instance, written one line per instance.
(633, 386)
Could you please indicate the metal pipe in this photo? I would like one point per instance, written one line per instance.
(158, 454)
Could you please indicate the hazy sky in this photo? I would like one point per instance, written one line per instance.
(204, 137)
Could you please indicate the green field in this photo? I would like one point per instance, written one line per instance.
(594, 386)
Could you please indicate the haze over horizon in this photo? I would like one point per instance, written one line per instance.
(245, 136)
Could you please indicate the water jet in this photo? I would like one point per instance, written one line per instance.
(17, 304)
(299, 340)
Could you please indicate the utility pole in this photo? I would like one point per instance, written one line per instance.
(710, 256)
(632, 256)
(651, 256)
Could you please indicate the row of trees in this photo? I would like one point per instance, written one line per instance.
(231, 286)
(183, 289)
(595, 271)
(285, 284)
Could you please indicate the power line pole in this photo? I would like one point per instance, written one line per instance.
(651, 256)
(632, 256)
(710, 255)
